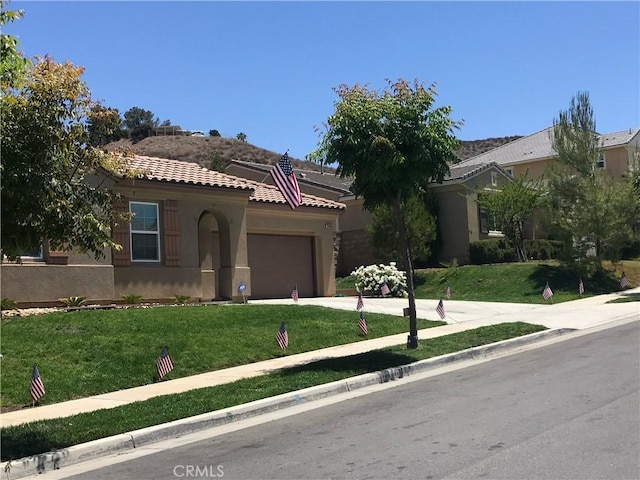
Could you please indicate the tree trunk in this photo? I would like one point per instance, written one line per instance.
(412, 339)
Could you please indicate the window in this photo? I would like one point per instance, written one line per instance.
(601, 161)
(509, 171)
(484, 221)
(494, 179)
(145, 232)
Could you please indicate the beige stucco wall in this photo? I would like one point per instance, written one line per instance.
(532, 170)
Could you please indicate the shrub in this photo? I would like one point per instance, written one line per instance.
(76, 301)
(494, 250)
(371, 278)
(543, 249)
(182, 299)
(132, 298)
(8, 304)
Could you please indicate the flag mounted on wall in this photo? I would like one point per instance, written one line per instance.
(37, 387)
(362, 324)
(285, 180)
(164, 364)
(282, 337)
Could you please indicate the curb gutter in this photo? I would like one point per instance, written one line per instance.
(55, 460)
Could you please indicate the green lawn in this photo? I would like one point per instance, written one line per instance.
(86, 353)
(43, 436)
(511, 282)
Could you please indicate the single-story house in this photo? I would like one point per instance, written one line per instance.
(194, 232)
(460, 219)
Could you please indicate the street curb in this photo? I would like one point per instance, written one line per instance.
(55, 460)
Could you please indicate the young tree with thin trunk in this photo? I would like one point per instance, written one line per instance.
(393, 143)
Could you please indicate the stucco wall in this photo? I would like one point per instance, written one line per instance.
(34, 282)
(454, 223)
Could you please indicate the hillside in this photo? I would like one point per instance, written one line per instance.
(202, 150)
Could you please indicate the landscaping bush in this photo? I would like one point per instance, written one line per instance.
(543, 249)
(371, 278)
(494, 250)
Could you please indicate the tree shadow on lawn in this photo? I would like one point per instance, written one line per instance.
(563, 279)
(361, 363)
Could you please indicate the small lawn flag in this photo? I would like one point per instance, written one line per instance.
(164, 364)
(547, 293)
(624, 281)
(37, 387)
(282, 337)
(440, 309)
(581, 287)
(362, 324)
(360, 304)
(385, 289)
(448, 290)
(294, 294)
(285, 180)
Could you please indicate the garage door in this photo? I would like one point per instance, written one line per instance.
(278, 263)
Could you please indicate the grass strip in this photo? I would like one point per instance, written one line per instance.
(85, 353)
(43, 436)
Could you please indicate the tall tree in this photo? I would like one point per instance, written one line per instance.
(510, 206)
(13, 65)
(104, 125)
(242, 137)
(594, 213)
(393, 143)
(47, 165)
(140, 122)
(421, 230)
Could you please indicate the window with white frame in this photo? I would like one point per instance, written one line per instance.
(601, 163)
(145, 232)
(494, 179)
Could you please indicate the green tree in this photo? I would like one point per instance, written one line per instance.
(140, 123)
(13, 65)
(214, 133)
(385, 230)
(104, 125)
(510, 206)
(393, 143)
(217, 163)
(591, 211)
(242, 137)
(49, 190)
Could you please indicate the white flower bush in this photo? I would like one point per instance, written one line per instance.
(371, 278)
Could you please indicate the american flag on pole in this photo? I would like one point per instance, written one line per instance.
(362, 324)
(385, 289)
(285, 180)
(581, 287)
(164, 364)
(282, 337)
(547, 293)
(440, 309)
(624, 281)
(294, 294)
(36, 387)
(360, 304)
(448, 290)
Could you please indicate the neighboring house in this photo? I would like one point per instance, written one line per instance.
(531, 154)
(460, 219)
(195, 232)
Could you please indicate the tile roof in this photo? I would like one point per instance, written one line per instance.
(327, 180)
(176, 171)
(537, 146)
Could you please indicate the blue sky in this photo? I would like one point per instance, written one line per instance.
(268, 69)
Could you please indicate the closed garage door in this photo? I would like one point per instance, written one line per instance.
(278, 263)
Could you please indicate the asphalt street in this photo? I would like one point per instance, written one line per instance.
(564, 411)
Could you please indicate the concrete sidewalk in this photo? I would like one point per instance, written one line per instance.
(461, 315)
